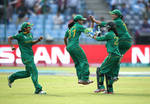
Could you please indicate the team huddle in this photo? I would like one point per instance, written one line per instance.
(118, 42)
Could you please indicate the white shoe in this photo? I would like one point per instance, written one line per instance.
(99, 90)
(42, 92)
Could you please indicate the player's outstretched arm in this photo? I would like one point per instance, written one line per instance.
(94, 20)
(10, 43)
(98, 38)
(92, 25)
(36, 41)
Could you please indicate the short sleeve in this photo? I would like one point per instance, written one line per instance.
(17, 36)
(67, 34)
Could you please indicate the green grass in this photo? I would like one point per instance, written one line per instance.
(65, 90)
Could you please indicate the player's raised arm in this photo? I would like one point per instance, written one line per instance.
(92, 24)
(94, 20)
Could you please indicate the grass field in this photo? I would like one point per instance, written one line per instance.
(65, 90)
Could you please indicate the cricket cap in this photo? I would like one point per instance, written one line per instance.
(79, 17)
(25, 25)
(116, 12)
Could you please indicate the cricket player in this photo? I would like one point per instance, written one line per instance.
(25, 41)
(112, 60)
(71, 40)
(125, 40)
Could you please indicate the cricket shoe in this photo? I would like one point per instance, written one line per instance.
(9, 83)
(41, 92)
(85, 82)
(99, 90)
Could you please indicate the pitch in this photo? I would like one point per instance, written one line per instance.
(65, 90)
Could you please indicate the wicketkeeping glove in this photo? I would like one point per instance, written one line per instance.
(98, 33)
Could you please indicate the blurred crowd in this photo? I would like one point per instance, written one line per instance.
(25, 8)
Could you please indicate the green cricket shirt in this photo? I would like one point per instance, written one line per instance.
(73, 34)
(25, 45)
(121, 28)
(112, 42)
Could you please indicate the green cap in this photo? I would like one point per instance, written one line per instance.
(25, 25)
(116, 11)
(79, 17)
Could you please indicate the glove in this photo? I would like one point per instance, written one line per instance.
(90, 34)
(87, 30)
(98, 33)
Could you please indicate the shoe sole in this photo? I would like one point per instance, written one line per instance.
(85, 83)
(41, 93)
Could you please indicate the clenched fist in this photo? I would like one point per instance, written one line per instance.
(40, 38)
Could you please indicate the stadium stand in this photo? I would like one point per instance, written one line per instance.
(41, 13)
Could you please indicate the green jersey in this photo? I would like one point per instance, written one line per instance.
(112, 42)
(73, 34)
(25, 45)
(121, 28)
